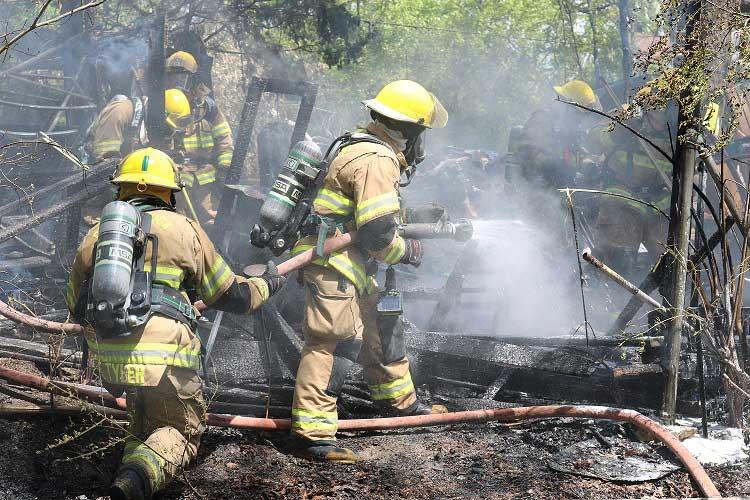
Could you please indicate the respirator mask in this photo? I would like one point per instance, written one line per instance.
(180, 80)
(414, 154)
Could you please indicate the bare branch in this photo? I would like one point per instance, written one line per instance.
(36, 24)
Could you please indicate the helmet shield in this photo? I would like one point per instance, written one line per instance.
(179, 80)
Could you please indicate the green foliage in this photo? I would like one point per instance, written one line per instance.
(489, 61)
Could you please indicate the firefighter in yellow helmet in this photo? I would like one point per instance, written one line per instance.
(154, 357)
(341, 325)
(120, 128)
(206, 146)
(550, 147)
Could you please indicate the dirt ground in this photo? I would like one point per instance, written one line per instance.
(480, 461)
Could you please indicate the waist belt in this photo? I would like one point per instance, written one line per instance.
(168, 302)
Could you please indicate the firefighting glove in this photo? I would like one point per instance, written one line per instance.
(430, 213)
(413, 253)
(272, 277)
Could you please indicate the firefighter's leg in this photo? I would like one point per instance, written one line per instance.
(332, 327)
(384, 360)
(167, 422)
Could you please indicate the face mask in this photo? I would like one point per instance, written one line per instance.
(414, 155)
(415, 151)
(179, 80)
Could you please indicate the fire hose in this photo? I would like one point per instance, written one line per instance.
(694, 468)
(264, 424)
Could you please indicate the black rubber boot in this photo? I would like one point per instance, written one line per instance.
(322, 451)
(130, 484)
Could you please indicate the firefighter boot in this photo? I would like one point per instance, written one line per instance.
(130, 484)
(323, 451)
(419, 408)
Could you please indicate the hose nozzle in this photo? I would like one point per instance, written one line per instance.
(460, 230)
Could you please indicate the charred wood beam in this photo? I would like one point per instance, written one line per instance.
(24, 263)
(500, 353)
(453, 287)
(49, 87)
(102, 168)
(34, 135)
(36, 349)
(41, 216)
(44, 106)
(40, 57)
(637, 370)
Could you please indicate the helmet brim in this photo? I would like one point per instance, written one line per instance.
(135, 178)
(439, 114)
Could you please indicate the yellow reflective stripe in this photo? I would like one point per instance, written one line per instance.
(396, 252)
(147, 353)
(150, 461)
(377, 206)
(188, 179)
(170, 276)
(344, 265)
(215, 277)
(204, 141)
(221, 129)
(392, 390)
(107, 146)
(335, 202)
(206, 176)
(224, 159)
(313, 419)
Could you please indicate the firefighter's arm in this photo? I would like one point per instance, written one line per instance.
(223, 142)
(110, 128)
(75, 296)
(373, 182)
(218, 286)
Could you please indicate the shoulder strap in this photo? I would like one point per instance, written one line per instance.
(146, 228)
(211, 109)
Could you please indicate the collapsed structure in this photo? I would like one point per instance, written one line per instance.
(251, 369)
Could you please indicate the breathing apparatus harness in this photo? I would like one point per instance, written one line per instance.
(122, 295)
(302, 220)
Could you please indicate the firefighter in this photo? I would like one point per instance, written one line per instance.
(156, 364)
(622, 225)
(360, 191)
(207, 143)
(549, 150)
(120, 128)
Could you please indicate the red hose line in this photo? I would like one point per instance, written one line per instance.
(692, 465)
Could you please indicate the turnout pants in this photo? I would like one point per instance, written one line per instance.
(342, 327)
(166, 424)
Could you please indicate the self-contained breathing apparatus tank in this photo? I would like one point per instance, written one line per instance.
(120, 239)
(288, 203)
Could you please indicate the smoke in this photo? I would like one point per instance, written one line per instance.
(517, 277)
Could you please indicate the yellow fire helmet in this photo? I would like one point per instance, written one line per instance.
(577, 91)
(177, 109)
(181, 61)
(148, 167)
(408, 101)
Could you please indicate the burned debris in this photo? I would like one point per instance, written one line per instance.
(200, 242)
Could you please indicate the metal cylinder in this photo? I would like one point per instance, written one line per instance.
(113, 262)
(290, 185)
